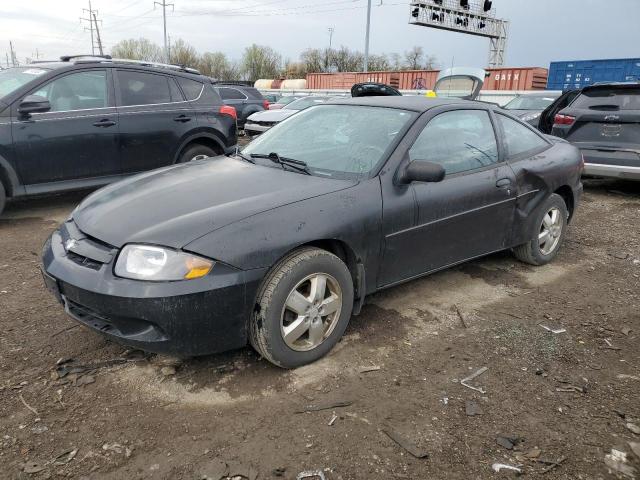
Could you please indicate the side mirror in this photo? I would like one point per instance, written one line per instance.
(33, 104)
(421, 171)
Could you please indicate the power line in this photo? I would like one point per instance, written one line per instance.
(164, 6)
(98, 34)
(91, 13)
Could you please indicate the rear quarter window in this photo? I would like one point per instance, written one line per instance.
(191, 88)
(609, 99)
(518, 138)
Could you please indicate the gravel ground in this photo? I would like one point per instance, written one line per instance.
(553, 404)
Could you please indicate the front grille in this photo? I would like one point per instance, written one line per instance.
(84, 261)
(265, 124)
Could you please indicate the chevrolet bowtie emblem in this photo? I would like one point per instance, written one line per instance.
(69, 244)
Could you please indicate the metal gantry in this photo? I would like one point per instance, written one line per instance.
(473, 17)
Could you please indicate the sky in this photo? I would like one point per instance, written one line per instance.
(541, 31)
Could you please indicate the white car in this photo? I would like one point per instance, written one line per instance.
(262, 121)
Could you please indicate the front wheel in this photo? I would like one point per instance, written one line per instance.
(551, 227)
(3, 198)
(303, 308)
(196, 152)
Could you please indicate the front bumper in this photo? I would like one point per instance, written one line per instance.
(256, 129)
(184, 318)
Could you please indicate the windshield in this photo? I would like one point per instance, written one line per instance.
(529, 103)
(286, 100)
(14, 78)
(335, 140)
(303, 103)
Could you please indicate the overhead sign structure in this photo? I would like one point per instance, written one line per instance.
(473, 17)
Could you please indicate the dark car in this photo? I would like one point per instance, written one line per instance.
(545, 122)
(604, 122)
(529, 106)
(260, 122)
(279, 245)
(87, 121)
(246, 100)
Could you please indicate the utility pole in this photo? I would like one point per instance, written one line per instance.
(14, 60)
(164, 6)
(366, 39)
(7, 53)
(95, 21)
(91, 14)
(331, 30)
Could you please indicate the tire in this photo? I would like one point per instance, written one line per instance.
(196, 152)
(535, 252)
(291, 277)
(3, 198)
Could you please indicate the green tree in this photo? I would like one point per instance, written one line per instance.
(218, 66)
(137, 49)
(260, 62)
(181, 53)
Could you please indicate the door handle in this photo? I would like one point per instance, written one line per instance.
(182, 119)
(104, 123)
(503, 183)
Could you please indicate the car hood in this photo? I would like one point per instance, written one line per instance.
(176, 205)
(272, 115)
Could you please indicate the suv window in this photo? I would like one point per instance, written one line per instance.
(191, 88)
(231, 94)
(518, 138)
(609, 99)
(459, 140)
(137, 88)
(76, 91)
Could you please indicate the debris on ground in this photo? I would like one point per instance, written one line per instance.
(472, 408)
(461, 317)
(372, 368)
(65, 457)
(333, 420)
(311, 475)
(552, 463)
(635, 448)
(405, 443)
(465, 381)
(33, 467)
(497, 467)
(324, 406)
(279, 472)
(553, 330)
(632, 427)
(117, 448)
(616, 461)
(508, 442)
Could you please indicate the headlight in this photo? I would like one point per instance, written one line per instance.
(530, 116)
(144, 262)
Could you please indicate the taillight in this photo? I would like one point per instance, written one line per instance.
(229, 110)
(266, 104)
(563, 120)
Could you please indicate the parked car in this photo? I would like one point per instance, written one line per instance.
(260, 122)
(87, 121)
(246, 100)
(283, 101)
(529, 106)
(604, 122)
(545, 123)
(279, 245)
(271, 98)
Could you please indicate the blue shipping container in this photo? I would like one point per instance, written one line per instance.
(580, 73)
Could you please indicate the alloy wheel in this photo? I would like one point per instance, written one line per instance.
(550, 231)
(311, 312)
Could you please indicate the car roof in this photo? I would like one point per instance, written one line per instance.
(409, 102)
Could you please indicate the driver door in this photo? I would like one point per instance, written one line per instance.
(429, 226)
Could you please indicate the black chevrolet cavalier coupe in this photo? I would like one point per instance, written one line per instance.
(279, 245)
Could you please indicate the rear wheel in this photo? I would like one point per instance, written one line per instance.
(3, 197)
(552, 224)
(303, 308)
(196, 152)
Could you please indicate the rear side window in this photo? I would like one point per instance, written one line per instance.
(231, 94)
(253, 93)
(518, 138)
(459, 140)
(137, 88)
(609, 99)
(191, 88)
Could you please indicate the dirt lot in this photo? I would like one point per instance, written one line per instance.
(565, 396)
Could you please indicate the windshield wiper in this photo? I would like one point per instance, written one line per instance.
(243, 156)
(297, 165)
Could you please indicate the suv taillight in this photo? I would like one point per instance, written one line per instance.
(265, 104)
(563, 120)
(229, 110)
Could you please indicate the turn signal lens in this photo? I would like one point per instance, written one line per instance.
(198, 267)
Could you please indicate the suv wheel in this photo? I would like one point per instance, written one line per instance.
(3, 197)
(552, 225)
(196, 152)
(303, 308)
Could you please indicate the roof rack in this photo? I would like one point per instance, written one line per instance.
(67, 58)
(237, 83)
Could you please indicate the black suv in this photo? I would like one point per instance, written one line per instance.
(87, 121)
(246, 100)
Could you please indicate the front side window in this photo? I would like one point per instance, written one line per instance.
(459, 140)
(77, 91)
(231, 94)
(137, 88)
(335, 140)
(518, 138)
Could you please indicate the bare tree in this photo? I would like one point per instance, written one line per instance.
(431, 62)
(181, 53)
(379, 63)
(395, 60)
(346, 60)
(140, 49)
(218, 66)
(313, 60)
(260, 62)
(413, 59)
